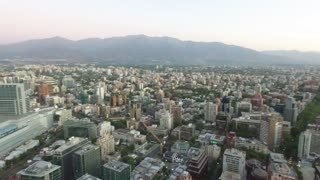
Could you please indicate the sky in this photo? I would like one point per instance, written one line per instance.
(256, 24)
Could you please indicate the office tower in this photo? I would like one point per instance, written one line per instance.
(106, 142)
(290, 111)
(271, 130)
(197, 165)
(80, 128)
(116, 170)
(176, 112)
(87, 159)
(63, 155)
(41, 170)
(68, 82)
(100, 93)
(309, 144)
(166, 120)
(135, 110)
(13, 100)
(210, 111)
(243, 107)
(234, 161)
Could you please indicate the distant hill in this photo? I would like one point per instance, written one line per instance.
(139, 49)
(298, 56)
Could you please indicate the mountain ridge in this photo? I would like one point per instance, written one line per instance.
(140, 49)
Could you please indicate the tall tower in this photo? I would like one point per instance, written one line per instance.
(13, 100)
(135, 110)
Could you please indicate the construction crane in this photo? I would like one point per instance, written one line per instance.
(161, 142)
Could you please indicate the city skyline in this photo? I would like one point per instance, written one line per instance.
(271, 25)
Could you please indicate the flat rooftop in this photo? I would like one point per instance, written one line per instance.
(116, 165)
(86, 148)
(88, 177)
(39, 169)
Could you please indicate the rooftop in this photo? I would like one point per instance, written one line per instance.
(88, 177)
(39, 169)
(116, 165)
(86, 148)
(72, 142)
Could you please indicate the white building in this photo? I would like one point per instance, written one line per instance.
(106, 143)
(210, 111)
(166, 120)
(28, 126)
(234, 161)
(309, 144)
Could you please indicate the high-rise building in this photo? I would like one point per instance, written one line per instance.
(271, 130)
(309, 144)
(210, 111)
(234, 161)
(87, 160)
(197, 165)
(166, 120)
(106, 142)
(135, 110)
(290, 110)
(63, 155)
(100, 93)
(41, 170)
(116, 170)
(80, 128)
(176, 112)
(13, 99)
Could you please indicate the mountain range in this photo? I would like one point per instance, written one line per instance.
(141, 50)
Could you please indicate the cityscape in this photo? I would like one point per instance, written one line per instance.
(160, 90)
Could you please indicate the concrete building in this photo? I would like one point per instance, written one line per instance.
(106, 142)
(271, 130)
(116, 170)
(278, 168)
(13, 99)
(87, 160)
(290, 110)
(184, 132)
(80, 128)
(135, 110)
(148, 149)
(210, 111)
(166, 120)
(234, 161)
(309, 144)
(62, 116)
(147, 169)
(243, 107)
(62, 156)
(197, 164)
(176, 112)
(41, 170)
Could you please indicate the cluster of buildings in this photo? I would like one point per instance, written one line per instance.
(121, 123)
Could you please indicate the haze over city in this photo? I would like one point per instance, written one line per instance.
(259, 25)
(159, 90)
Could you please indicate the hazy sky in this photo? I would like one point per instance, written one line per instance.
(258, 24)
